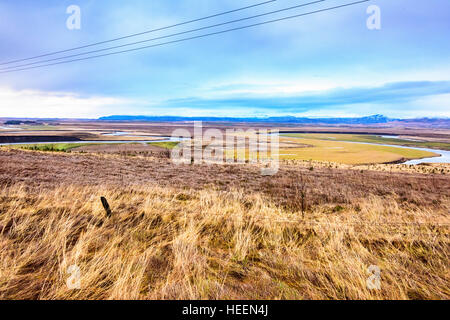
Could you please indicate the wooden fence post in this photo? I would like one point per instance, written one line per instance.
(106, 206)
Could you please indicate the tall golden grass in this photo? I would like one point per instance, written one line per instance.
(163, 243)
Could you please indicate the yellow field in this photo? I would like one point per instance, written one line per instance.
(347, 152)
(386, 140)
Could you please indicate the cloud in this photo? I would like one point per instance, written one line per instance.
(399, 99)
(385, 96)
(39, 104)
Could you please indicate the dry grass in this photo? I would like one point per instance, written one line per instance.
(165, 244)
(189, 232)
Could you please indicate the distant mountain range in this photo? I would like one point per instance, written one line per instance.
(375, 119)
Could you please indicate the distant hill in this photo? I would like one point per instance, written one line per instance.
(375, 119)
(19, 122)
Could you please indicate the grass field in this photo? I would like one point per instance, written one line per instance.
(66, 147)
(40, 128)
(52, 147)
(217, 232)
(328, 148)
(165, 145)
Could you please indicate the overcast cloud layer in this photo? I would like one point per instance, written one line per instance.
(327, 64)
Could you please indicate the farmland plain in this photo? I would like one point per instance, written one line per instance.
(342, 149)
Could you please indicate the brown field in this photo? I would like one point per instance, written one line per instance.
(134, 149)
(219, 231)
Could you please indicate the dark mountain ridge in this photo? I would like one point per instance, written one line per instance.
(288, 119)
(374, 119)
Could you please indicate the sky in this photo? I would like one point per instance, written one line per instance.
(327, 64)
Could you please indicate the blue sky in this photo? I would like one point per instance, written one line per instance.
(327, 64)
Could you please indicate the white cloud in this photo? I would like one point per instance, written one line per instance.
(39, 104)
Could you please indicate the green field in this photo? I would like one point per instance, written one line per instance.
(334, 148)
(372, 139)
(166, 145)
(53, 147)
(66, 147)
(39, 128)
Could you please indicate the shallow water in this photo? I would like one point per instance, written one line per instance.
(398, 137)
(10, 128)
(163, 139)
(127, 134)
(118, 133)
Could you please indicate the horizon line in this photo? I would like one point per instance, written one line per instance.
(130, 117)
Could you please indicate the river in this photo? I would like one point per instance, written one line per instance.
(160, 139)
(443, 158)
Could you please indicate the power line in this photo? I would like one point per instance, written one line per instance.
(164, 37)
(139, 34)
(192, 38)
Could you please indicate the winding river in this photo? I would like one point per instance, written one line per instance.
(443, 158)
(157, 139)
